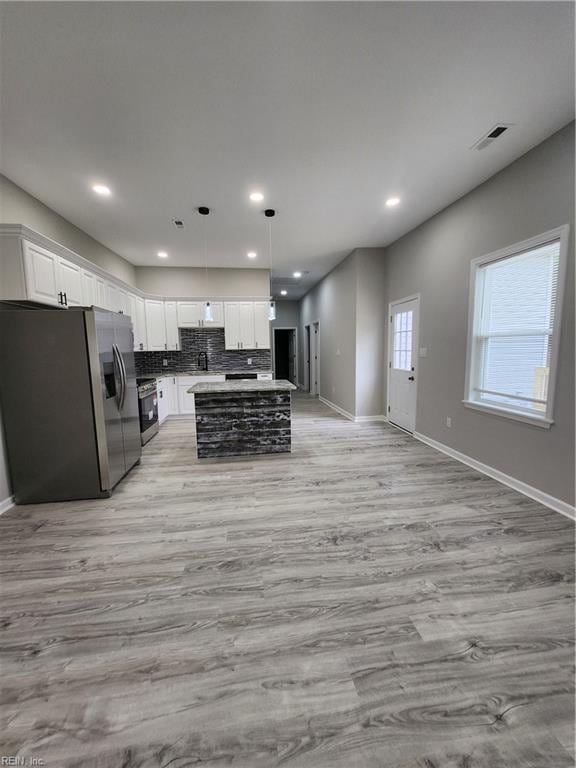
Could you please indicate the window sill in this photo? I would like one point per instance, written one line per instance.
(536, 421)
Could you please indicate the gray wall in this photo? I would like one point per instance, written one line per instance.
(287, 314)
(333, 303)
(18, 207)
(371, 313)
(350, 304)
(534, 194)
(191, 281)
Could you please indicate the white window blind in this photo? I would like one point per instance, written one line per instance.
(515, 306)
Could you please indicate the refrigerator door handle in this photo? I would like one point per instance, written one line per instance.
(122, 373)
(124, 378)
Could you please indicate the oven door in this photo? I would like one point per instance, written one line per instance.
(148, 404)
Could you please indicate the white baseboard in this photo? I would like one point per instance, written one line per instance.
(350, 416)
(518, 485)
(364, 419)
(336, 408)
(6, 504)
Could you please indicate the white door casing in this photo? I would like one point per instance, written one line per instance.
(402, 362)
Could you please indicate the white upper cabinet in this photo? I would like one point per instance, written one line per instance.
(113, 298)
(36, 273)
(70, 283)
(89, 291)
(138, 316)
(190, 314)
(261, 325)
(171, 317)
(217, 321)
(41, 270)
(155, 325)
(232, 325)
(101, 297)
(246, 324)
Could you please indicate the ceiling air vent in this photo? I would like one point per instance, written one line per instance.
(178, 223)
(491, 136)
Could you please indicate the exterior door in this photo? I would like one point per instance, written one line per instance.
(403, 346)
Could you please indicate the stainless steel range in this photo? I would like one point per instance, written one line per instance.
(148, 408)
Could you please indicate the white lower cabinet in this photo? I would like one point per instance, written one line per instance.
(167, 399)
(185, 398)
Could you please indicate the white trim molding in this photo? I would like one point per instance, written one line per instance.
(476, 282)
(6, 504)
(518, 485)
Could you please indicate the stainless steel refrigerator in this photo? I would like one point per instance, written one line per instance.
(69, 401)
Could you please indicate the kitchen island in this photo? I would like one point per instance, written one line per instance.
(242, 418)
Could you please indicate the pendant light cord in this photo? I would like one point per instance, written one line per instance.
(206, 255)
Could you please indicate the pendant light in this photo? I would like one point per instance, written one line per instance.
(208, 317)
(270, 213)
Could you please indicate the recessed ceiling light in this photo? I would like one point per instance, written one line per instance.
(392, 202)
(283, 293)
(162, 255)
(102, 189)
(297, 274)
(256, 197)
(251, 254)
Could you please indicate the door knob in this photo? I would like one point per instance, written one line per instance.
(410, 378)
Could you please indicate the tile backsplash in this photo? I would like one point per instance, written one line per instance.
(196, 340)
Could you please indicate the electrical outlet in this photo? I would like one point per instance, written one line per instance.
(448, 421)
(165, 363)
(249, 361)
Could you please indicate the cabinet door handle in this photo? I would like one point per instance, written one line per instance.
(165, 346)
(141, 345)
(256, 344)
(61, 298)
(65, 299)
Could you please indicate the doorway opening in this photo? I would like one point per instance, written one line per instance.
(403, 362)
(285, 354)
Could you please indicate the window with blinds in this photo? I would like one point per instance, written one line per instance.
(513, 337)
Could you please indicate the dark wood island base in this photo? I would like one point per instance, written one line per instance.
(243, 418)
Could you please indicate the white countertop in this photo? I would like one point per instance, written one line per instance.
(242, 385)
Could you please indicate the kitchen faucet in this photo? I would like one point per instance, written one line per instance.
(203, 361)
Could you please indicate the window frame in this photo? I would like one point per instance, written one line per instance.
(546, 420)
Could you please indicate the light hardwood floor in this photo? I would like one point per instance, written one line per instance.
(364, 602)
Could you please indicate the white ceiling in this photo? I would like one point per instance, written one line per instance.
(329, 108)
